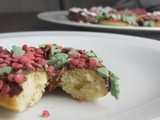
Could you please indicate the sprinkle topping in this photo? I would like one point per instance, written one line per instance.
(18, 51)
(5, 70)
(114, 85)
(45, 113)
(103, 72)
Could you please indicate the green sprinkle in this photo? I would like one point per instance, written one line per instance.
(130, 20)
(61, 55)
(53, 51)
(114, 85)
(146, 24)
(58, 60)
(107, 15)
(50, 62)
(99, 17)
(18, 50)
(118, 17)
(73, 52)
(60, 63)
(103, 72)
(42, 46)
(54, 45)
(151, 23)
(90, 54)
(114, 16)
(5, 70)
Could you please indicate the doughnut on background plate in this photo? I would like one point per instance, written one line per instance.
(60, 18)
(136, 61)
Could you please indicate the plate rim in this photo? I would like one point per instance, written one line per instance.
(147, 42)
(42, 16)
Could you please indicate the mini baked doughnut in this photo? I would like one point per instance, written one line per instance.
(26, 72)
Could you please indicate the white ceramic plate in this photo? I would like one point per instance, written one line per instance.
(60, 17)
(135, 60)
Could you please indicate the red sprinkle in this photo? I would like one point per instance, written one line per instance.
(81, 51)
(19, 78)
(80, 100)
(84, 56)
(81, 63)
(92, 62)
(36, 65)
(15, 60)
(2, 55)
(25, 47)
(60, 47)
(7, 60)
(16, 56)
(51, 68)
(37, 55)
(32, 49)
(99, 64)
(23, 59)
(39, 51)
(42, 62)
(75, 62)
(17, 66)
(73, 56)
(47, 46)
(27, 64)
(1, 84)
(1, 60)
(45, 113)
(3, 65)
(5, 89)
(11, 77)
(29, 55)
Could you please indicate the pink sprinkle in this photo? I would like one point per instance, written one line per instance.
(19, 78)
(92, 62)
(11, 77)
(25, 47)
(51, 68)
(16, 56)
(81, 51)
(75, 62)
(73, 56)
(29, 55)
(27, 64)
(48, 46)
(23, 59)
(5, 89)
(45, 113)
(3, 65)
(80, 100)
(1, 60)
(42, 62)
(60, 47)
(17, 66)
(39, 51)
(84, 56)
(99, 65)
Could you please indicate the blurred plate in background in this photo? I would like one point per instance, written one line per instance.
(60, 17)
